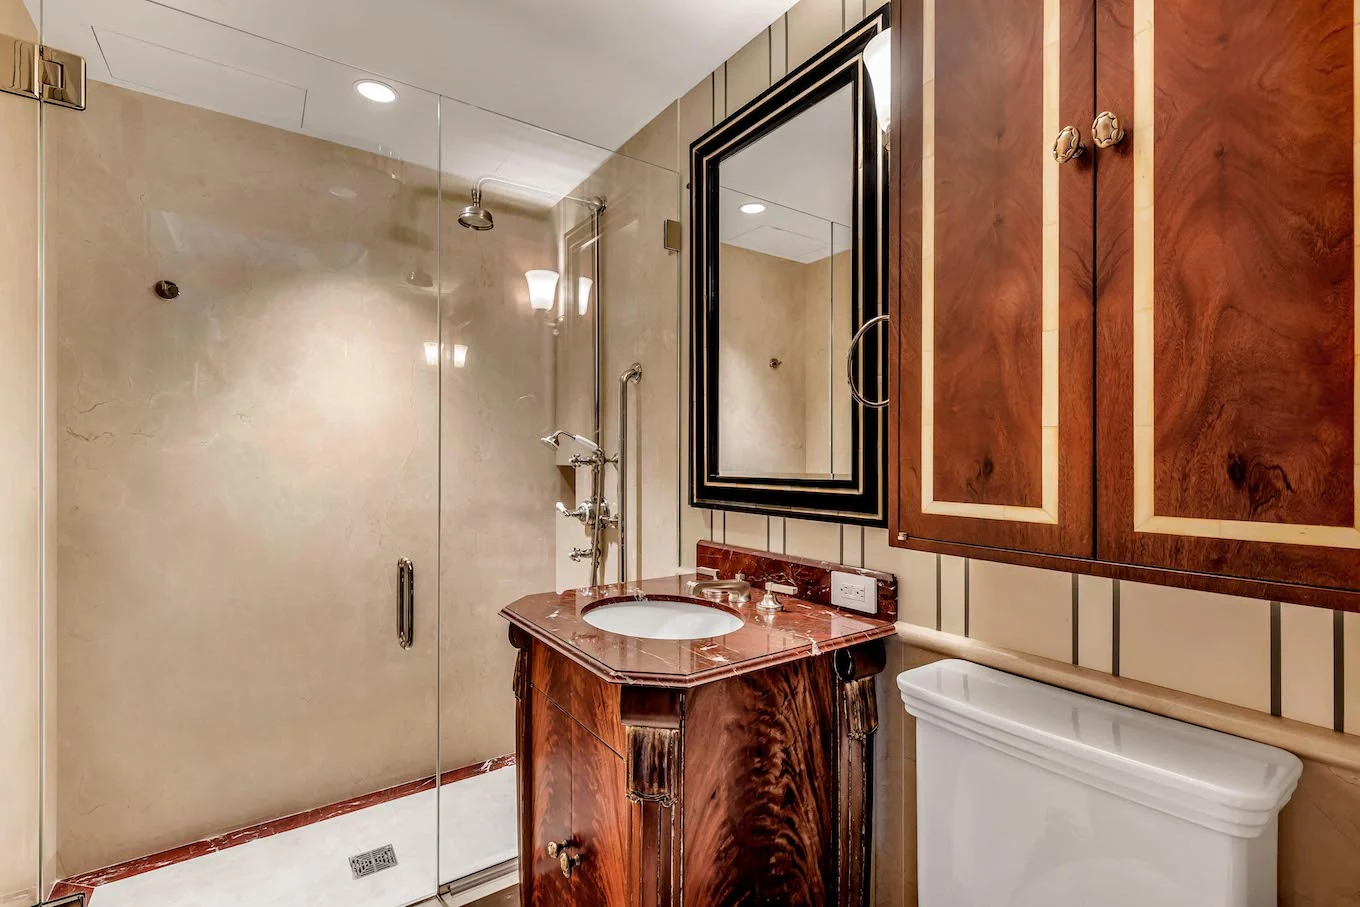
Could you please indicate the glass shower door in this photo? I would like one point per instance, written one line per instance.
(243, 412)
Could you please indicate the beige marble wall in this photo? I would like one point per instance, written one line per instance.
(763, 420)
(239, 470)
(498, 481)
(640, 307)
(20, 522)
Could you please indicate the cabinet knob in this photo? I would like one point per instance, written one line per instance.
(567, 861)
(1106, 131)
(1068, 145)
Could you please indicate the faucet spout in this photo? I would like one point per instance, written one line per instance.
(738, 591)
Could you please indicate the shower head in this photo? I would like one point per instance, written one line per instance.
(474, 216)
(554, 440)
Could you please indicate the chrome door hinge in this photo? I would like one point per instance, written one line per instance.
(42, 73)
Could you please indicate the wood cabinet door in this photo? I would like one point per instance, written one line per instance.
(599, 809)
(992, 380)
(550, 767)
(1226, 306)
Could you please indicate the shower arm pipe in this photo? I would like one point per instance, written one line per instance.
(632, 376)
(595, 204)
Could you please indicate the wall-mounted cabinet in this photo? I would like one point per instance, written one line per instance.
(1127, 344)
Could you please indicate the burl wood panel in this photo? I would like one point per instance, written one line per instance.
(551, 732)
(985, 139)
(587, 698)
(599, 822)
(1254, 261)
(989, 141)
(760, 788)
(1250, 282)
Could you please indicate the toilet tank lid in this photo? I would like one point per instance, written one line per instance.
(1227, 783)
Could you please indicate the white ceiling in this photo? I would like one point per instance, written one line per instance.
(803, 172)
(594, 70)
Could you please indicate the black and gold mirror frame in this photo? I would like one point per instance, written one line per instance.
(856, 495)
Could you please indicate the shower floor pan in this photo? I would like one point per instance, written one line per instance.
(305, 860)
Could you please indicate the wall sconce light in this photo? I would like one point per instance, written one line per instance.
(583, 286)
(878, 60)
(460, 352)
(542, 289)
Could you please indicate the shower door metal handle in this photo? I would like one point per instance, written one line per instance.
(406, 602)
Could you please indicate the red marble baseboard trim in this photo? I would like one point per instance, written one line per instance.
(86, 883)
(812, 577)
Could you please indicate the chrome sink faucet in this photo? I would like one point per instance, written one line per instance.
(738, 590)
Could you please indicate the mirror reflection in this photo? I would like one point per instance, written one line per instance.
(786, 290)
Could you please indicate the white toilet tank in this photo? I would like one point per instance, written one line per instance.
(1032, 796)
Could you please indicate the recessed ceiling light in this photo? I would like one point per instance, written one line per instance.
(377, 92)
(751, 208)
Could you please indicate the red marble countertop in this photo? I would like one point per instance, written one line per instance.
(799, 631)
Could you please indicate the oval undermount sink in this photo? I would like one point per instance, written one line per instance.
(652, 618)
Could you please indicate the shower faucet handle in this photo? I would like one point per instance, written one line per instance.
(582, 511)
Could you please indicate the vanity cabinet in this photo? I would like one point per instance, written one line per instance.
(753, 788)
(1143, 357)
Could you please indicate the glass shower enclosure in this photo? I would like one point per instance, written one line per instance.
(271, 439)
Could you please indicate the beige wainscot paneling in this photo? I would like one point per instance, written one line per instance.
(916, 576)
(894, 856)
(1319, 860)
(953, 594)
(1198, 642)
(812, 24)
(1350, 653)
(779, 63)
(1021, 608)
(20, 563)
(806, 538)
(748, 71)
(749, 530)
(694, 116)
(1306, 690)
(657, 142)
(1095, 622)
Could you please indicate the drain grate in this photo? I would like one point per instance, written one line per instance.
(369, 862)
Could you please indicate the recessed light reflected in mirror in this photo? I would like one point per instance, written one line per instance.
(431, 352)
(751, 208)
(344, 192)
(459, 355)
(377, 92)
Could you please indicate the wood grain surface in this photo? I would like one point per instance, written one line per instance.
(1253, 289)
(584, 696)
(760, 788)
(550, 814)
(599, 810)
(988, 287)
(989, 148)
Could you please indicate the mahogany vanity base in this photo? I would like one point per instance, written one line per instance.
(750, 789)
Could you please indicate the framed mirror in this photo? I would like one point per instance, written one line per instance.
(789, 212)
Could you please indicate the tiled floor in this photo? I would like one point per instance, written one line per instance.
(308, 867)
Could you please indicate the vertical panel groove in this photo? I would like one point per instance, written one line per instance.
(1276, 681)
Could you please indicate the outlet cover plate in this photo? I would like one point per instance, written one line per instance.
(858, 593)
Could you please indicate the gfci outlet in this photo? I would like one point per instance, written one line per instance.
(858, 593)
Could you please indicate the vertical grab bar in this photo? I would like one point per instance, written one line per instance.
(632, 376)
(406, 602)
